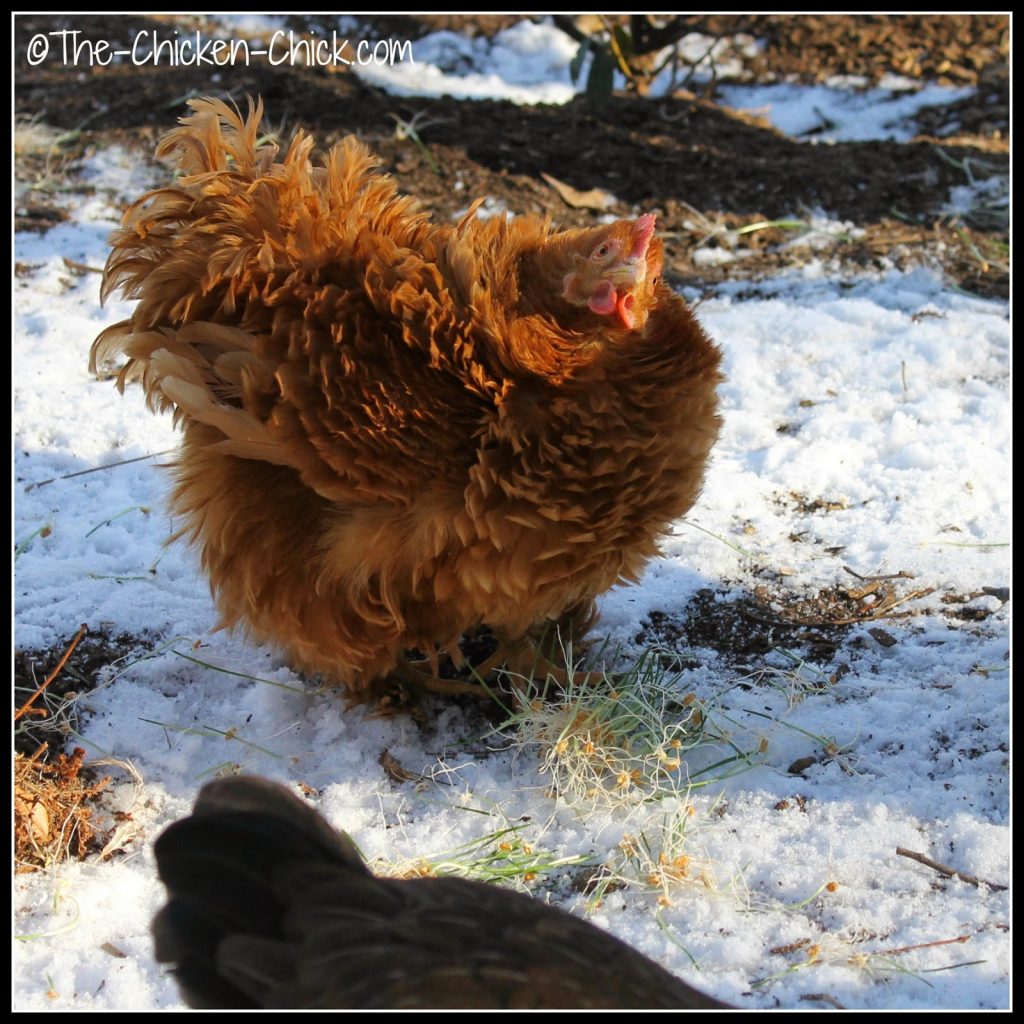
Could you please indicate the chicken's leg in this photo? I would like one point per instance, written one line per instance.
(407, 671)
(532, 659)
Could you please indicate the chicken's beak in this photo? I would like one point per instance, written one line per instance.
(629, 273)
(632, 270)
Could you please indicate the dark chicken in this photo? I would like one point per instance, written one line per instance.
(394, 431)
(268, 906)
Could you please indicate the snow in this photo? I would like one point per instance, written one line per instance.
(991, 192)
(262, 26)
(845, 111)
(892, 394)
(527, 63)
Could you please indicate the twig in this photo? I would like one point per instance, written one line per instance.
(827, 124)
(53, 675)
(921, 945)
(790, 947)
(649, 38)
(697, 63)
(665, 116)
(39, 751)
(567, 23)
(901, 575)
(880, 612)
(81, 268)
(96, 469)
(394, 769)
(945, 869)
(822, 997)
(783, 623)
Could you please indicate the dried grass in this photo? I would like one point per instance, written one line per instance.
(51, 820)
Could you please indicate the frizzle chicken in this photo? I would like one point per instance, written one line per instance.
(397, 431)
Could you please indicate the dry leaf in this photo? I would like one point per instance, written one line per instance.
(39, 818)
(395, 771)
(884, 638)
(593, 199)
(801, 764)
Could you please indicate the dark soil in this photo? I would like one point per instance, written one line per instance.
(742, 630)
(703, 167)
(51, 714)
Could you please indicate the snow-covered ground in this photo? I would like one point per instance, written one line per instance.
(885, 397)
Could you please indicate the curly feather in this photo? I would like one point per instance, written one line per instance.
(396, 431)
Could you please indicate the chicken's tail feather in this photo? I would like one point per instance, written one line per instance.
(227, 870)
(235, 229)
(214, 136)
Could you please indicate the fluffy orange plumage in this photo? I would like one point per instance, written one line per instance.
(396, 431)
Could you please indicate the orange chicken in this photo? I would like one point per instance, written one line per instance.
(395, 431)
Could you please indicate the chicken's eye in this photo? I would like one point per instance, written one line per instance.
(601, 251)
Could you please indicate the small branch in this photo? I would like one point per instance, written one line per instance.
(791, 947)
(945, 869)
(394, 769)
(567, 23)
(881, 611)
(666, 116)
(648, 38)
(921, 945)
(887, 604)
(901, 575)
(39, 751)
(822, 997)
(53, 675)
(97, 469)
(697, 63)
(81, 268)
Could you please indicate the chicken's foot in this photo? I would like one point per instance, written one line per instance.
(407, 671)
(524, 657)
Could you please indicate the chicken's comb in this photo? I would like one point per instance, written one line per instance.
(643, 232)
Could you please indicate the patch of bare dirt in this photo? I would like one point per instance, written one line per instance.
(51, 716)
(953, 49)
(55, 792)
(741, 629)
(744, 626)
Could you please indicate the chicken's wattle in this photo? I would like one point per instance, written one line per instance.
(604, 301)
(624, 309)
